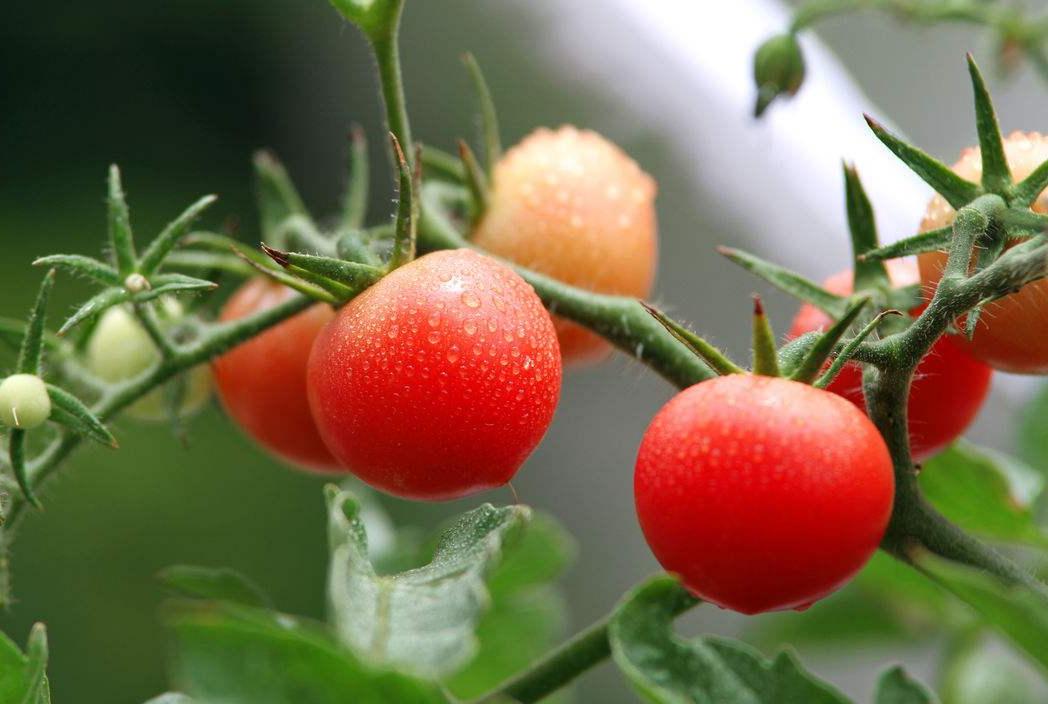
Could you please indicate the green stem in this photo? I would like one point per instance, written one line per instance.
(388, 58)
(562, 665)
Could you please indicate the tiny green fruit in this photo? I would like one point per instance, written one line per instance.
(778, 69)
(24, 402)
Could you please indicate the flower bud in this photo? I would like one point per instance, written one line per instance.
(24, 402)
(778, 68)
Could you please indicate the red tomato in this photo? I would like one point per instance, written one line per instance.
(948, 389)
(761, 493)
(1012, 333)
(571, 204)
(439, 380)
(262, 382)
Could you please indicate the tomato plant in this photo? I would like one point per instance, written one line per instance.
(421, 354)
(571, 204)
(949, 385)
(439, 380)
(1012, 334)
(262, 382)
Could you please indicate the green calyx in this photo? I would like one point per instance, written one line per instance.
(800, 360)
(778, 70)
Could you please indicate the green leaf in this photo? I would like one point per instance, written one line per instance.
(476, 180)
(820, 351)
(16, 455)
(996, 177)
(789, 282)
(984, 493)
(527, 616)
(96, 305)
(1033, 432)
(765, 354)
(850, 348)
(1015, 611)
(957, 191)
(489, 120)
(79, 265)
(353, 275)
(69, 411)
(160, 247)
(930, 241)
(978, 673)
(217, 584)
(30, 356)
(121, 242)
(422, 620)
(172, 283)
(23, 678)
(869, 273)
(277, 197)
(698, 346)
(405, 231)
(896, 687)
(228, 654)
(664, 668)
(1026, 191)
(355, 200)
(12, 334)
(439, 164)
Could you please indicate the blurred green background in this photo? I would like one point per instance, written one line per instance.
(180, 94)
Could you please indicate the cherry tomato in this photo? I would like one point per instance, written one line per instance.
(262, 382)
(570, 204)
(1012, 333)
(949, 387)
(439, 380)
(120, 349)
(24, 401)
(762, 493)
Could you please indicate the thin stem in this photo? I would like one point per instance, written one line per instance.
(387, 56)
(146, 315)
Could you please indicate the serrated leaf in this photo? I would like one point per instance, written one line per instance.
(957, 191)
(30, 355)
(217, 584)
(527, 616)
(996, 176)
(69, 411)
(160, 247)
(974, 489)
(896, 687)
(227, 654)
(1015, 611)
(664, 668)
(930, 241)
(80, 265)
(422, 620)
(789, 282)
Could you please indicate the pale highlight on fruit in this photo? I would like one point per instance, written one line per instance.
(1012, 334)
(570, 204)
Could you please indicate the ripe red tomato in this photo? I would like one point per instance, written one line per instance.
(762, 493)
(949, 387)
(570, 204)
(439, 380)
(262, 382)
(1012, 333)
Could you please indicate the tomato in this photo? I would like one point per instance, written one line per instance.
(949, 386)
(262, 382)
(762, 493)
(570, 204)
(1012, 332)
(24, 401)
(439, 380)
(120, 349)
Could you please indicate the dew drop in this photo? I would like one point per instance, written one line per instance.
(470, 299)
(433, 337)
(470, 327)
(434, 319)
(453, 354)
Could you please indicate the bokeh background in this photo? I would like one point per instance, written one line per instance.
(181, 93)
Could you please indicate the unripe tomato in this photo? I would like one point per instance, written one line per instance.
(439, 380)
(24, 401)
(262, 382)
(570, 204)
(1012, 332)
(762, 493)
(120, 349)
(949, 386)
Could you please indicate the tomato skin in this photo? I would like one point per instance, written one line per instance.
(949, 386)
(262, 382)
(1012, 332)
(761, 493)
(572, 205)
(438, 381)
